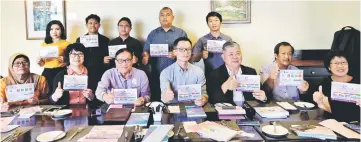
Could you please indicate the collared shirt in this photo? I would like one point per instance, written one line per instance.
(133, 45)
(76, 97)
(214, 60)
(280, 93)
(175, 76)
(159, 36)
(113, 79)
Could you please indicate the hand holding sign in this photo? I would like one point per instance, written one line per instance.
(259, 95)
(107, 59)
(140, 101)
(168, 94)
(201, 102)
(303, 87)
(109, 97)
(205, 53)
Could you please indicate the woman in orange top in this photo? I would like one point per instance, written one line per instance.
(19, 73)
(55, 36)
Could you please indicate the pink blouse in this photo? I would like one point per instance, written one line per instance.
(76, 97)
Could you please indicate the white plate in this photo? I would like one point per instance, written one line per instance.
(50, 136)
(280, 131)
(62, 113)
(304, 104)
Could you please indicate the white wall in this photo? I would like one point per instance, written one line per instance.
(305, 24)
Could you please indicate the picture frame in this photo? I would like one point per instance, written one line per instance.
(233, 11)
(38, 13)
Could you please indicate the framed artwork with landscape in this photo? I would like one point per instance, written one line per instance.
(39, 13)
(233, 11)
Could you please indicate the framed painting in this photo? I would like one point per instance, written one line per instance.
(39, 13)
(233, 11)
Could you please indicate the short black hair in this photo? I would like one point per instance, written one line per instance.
(167, 8)
(48, 38)
(331, 55)
(125, 19)
(92, 16)
(75, 47)
(22, 56)
(181, 39)
(124, 50)
(277, 47)
(212, 14)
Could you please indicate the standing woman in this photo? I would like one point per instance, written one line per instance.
(55, 36)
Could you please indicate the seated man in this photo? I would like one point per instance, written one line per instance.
(270, 75)
(223, 79)
(123, 76)
(181, 73)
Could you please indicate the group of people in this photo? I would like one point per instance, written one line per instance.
(158, 78)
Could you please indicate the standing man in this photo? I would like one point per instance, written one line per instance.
(133, 45)
(97, 63)
(166, 34)
(212, 60)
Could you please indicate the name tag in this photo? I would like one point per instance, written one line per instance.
(248, 83)
(20, 92)
(49, 52)
(75, 82)
(89, 40)
(345, 92)
(114, 48)
(215, 46)
(125, 96)
(159, 50)
(189, 92)
(290, 77)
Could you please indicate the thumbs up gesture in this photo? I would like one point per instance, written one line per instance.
(168, 95)
(318, 97)
(58, 93)
(231, 83)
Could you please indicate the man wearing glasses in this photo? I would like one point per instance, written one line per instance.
(182, 73)
(123, 76)
(133, 45)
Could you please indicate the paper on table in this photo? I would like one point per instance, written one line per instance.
(115, 106)
(89, 40)
(49, 52)
(105, 133)
(6, 120)
(8, 128)
(215, 45)
(28, 112)
(159, 50)
(174, 109)
(290, 77)
(245, 134)
(114, 48)
(339, 128)
(19, 92)
(345, 92)
(190, 126)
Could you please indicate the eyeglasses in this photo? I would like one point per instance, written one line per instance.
(127, 61)
(184, 49)
(18, 64)
(340, 63)
(124, 26)
(74, 55)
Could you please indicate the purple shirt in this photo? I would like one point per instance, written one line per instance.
(113, 79)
